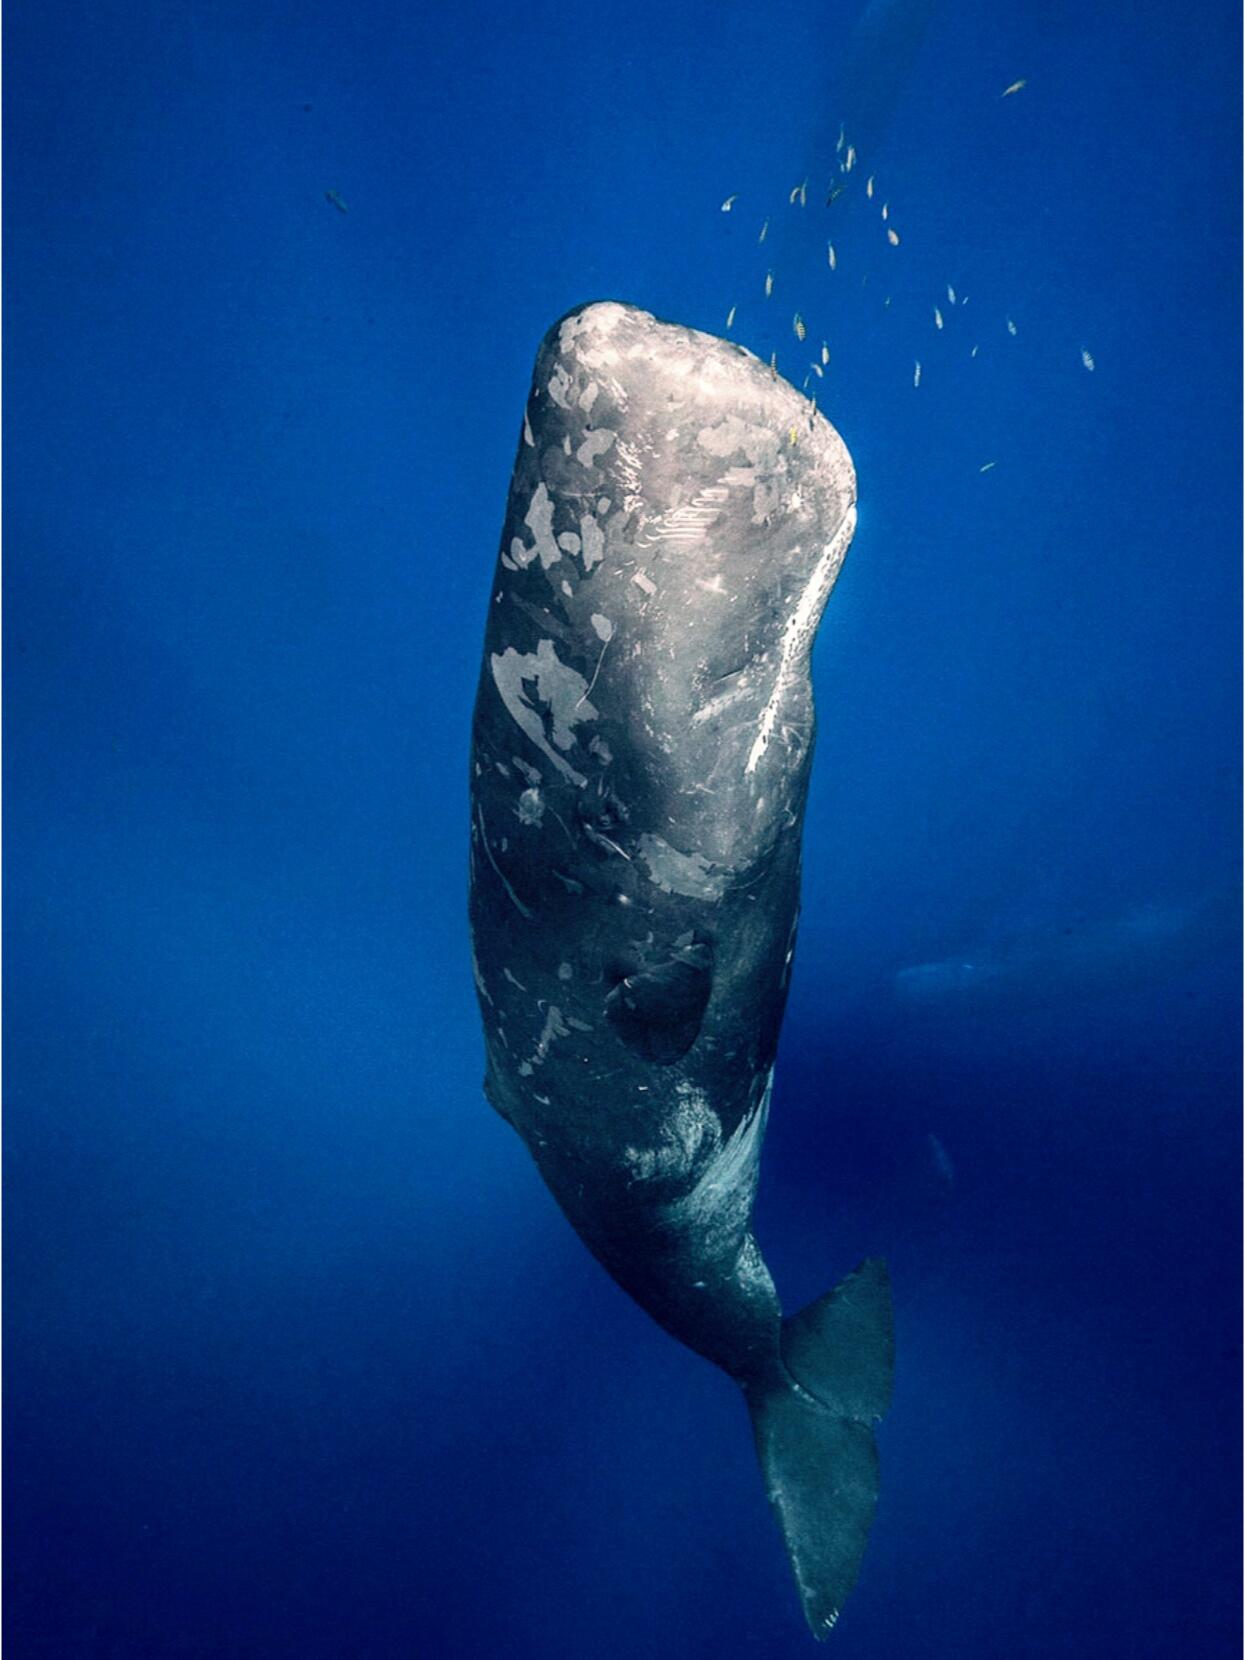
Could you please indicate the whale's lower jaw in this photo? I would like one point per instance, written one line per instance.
(642, 741)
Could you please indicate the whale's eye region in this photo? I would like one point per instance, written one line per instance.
(657, 1010)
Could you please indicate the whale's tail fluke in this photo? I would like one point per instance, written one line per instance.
(814, 1435)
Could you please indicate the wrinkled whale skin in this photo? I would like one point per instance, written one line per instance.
(641, 746)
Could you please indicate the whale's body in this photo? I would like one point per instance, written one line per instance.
(642, 740)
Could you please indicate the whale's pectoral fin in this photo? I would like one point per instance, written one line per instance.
(657, 1011)
(815, 1438)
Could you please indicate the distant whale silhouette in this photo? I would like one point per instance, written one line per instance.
(642, 740)
(1073, 957)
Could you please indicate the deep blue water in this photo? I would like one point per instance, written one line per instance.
(302, 1361)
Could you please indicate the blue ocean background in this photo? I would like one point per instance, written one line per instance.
(302, 1361)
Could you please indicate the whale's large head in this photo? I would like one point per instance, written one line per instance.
(678, 520)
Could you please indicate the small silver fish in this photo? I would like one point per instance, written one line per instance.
(937, 318)
(817, 370)
(892, 237)
(825, 352)
(869, 187)
(849, 160)
(797, 324)
(764, 231)
(886, 210)
(916, 373)
(335, 199)
(730, 317)
(729, 203)
(769, 284)
(1011, 327)
(831, 257)
(974, 351)
(987, 466)
(1014, 87)
(1087, 360)
(950, 295)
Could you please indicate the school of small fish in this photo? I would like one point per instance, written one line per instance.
(845, 150)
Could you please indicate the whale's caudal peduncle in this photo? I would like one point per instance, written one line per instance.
(642, 739)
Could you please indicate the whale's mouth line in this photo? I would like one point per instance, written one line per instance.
(800, 628)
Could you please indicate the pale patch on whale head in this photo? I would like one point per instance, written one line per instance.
(596, 323)
(561, 689)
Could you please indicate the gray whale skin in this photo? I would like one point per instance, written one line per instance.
(642, 739)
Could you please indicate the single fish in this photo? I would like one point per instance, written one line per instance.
(729, 203)
(335, 199)
(974, 351)
(1014, 87)
(1011, 327)
(764, 231)
(769, 284)
(849, 160)
(886, 210)
(937, 318)
(817, 370)
(869, 187)
(825, 352)
(950, 295)
(1087, 360)
(831, 256)
(987, 466)
(892, 236)
(836, 190)
(916, 373)
(797, 324)
(730, 317)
